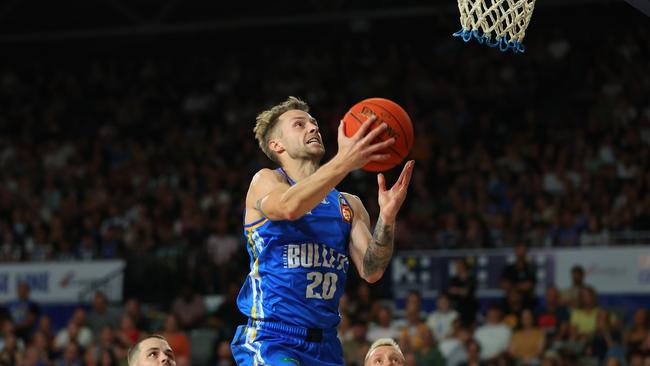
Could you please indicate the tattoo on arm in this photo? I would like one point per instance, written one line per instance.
(380, 249)
(258, 207)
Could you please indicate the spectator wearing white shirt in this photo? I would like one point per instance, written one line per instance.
(384, 326)
(76, 332)
(454, 349)
(440, 321)
(493, 336)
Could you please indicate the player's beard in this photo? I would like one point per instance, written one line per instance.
(306, 152)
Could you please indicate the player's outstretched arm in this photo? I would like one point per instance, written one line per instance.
(372, 253)
(279, 201)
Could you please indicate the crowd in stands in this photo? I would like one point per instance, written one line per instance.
(124, 156)
(101, 335)
(564, 327)
(146, 156)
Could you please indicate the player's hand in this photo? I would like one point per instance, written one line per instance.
(362, 147)
(391, 200)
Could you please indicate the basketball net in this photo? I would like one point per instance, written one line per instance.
(496, 23)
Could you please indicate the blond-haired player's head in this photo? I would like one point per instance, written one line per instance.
(384, 351)
(287, 129)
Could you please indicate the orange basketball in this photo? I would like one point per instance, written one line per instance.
(399, 127)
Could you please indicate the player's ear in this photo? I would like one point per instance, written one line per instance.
(276, 146)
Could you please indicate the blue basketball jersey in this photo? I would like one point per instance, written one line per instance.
(298, 268)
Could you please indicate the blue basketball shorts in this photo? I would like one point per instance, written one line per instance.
(271, 343)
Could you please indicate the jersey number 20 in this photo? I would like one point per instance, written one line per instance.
(328, 282)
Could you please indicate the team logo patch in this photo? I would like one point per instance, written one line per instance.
(346, 211)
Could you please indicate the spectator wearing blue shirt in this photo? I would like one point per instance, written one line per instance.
(24, 312)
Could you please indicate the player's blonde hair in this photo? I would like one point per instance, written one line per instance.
(383, 342)
(266, 121)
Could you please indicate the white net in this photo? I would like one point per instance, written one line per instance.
(497, 23)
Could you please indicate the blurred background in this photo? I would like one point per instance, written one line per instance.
(126, 149)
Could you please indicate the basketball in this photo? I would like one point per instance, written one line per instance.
(399, 127)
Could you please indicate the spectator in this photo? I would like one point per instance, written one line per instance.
(450, 235)
(384, 326)
(461, 292)
(583, 317)
(91, 356)
(521, 276)
(107, 358)
(189, 308)
(474, 352)
(607, 340)
(413, 327)
(638, 331)
(34, 358)
(111, 244)
(24, 312)
(553, 317)
(224, 355)
(428, 353)
(178, 340)
(70, 356)
(494, 336)
(11, 350)
(351, 347)
(454, 349)
(511, 307)
(107, 338)
(570, 295)
(527, 341)
(222, 246)
(45, 328)
(360, 305)
(440, 321)
(134, 310)
(101, 315)
(127, 334)
(39, 350)
(594, 235)
(87, 249)
(572, 344)
(76, 331)
(228, 317)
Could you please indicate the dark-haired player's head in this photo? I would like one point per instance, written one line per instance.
(151, 350)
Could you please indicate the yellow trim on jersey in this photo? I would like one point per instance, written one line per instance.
(253, 227)
(255, 266)
(249, 237)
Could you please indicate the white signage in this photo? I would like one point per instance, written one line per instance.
(610, 270)
(62, 282)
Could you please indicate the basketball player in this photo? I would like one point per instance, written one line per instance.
(385, 352)
(301, 233)
(153, 350)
